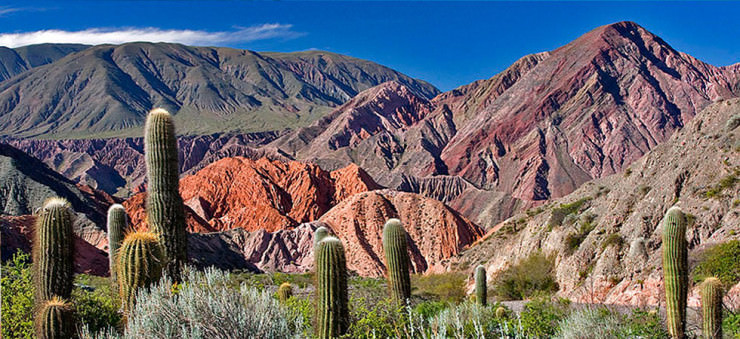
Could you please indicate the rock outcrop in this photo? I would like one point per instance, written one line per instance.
(606, 236)
(260, 194)
(436, 232)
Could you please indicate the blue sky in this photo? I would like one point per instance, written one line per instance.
(446, 43)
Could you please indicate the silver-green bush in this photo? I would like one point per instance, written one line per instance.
(206, 306)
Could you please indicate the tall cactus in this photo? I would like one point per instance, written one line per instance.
(284, 292)
(117, 224)
(711, 308)
(397, 260)
(675, 270)
(140, 260)
(481, 288)
(332, 310)
(55, 320)
(53, 251)
(164, 205)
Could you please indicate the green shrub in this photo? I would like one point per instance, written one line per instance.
(530, 277)
(563, 210)
(206, 307)
(96, 304)
(384, 319)
(613, 239)
(726, 182)
(445, 286)
(465, 320)
(720, 261)
(428, 309)
(16, 285)
(605, 323)
(731, 325)
(574, 240)
(541, 316)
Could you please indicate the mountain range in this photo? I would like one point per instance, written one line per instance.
(106, 90)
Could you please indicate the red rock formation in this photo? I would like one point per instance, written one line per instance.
(262, 194)
(135, 207)
(436, 231)
(17, 234)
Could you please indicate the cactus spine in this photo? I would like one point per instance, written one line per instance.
(318, 235)
(140, 260)
(397, 260)
(55, 319)
(332, 313)
(117, 223)
(481, 289)
(711, 308)
(675, 270)
(285, 291)
(164, 205)
(53, 251)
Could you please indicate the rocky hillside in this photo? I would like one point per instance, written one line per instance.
(547, 124)
(262, 194)
(605, 237)
(107, 89)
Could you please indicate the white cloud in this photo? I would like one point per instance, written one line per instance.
(96, 36)
(7, 10)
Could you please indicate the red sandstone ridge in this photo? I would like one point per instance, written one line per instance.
(436, 231)
(260, 194)
(135, 207)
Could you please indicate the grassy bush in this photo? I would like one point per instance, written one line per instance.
(96, 302)
(530, 277)
(731, 325)
(449, 287)
(384, 319)
(613, 239)
(16, 285)
(599, 323)
(726, 182)
(563, 210)
(207, 307)
(720, 261)
(541, 317)
(574, 240)
(428, 309)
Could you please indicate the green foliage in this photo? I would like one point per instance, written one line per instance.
(541, 316)
(574, 240)
(613, 239)
(733, 122)
(449, 287)
(563, 210)
(139, 265)
(532, 276)
(397, 260)
(332, 310)
(720, 261)
(711, 308)
(675, 270)
(430, 308)
(53, 251)
(384, 319)
(96, 303)
(300, 311)
(117, 227)
(731, 325)
(481, 288)
(605, 323)
(726, 182)
(164, 207)
(17, 290)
